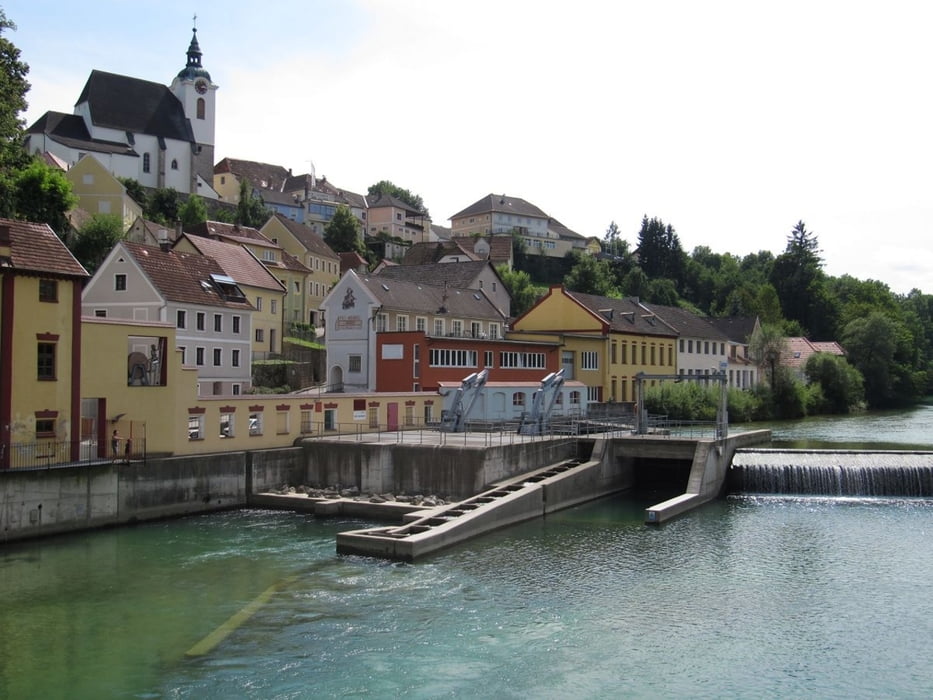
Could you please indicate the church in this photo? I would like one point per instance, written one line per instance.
(161, 136)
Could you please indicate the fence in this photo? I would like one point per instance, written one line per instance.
(50, 453)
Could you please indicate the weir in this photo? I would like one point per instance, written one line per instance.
(906, 474)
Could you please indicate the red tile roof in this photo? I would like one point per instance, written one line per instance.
(35, 248)
(237, 262)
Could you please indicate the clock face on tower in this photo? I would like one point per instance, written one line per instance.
(201, 86)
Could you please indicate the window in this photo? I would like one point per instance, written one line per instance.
(487, 359)
(235, 358)
(355, 363)
(258, 303)
(226, 425)
(476, 329)
(184, 354)
(274, 306)
(456, 328)
(494, 331)
(100, 313)
(174, 164)
(45, 360)
(521, 360)
(297, 287)
(575, 397)
(199, 113)
(441, 357)
(259, 335)
(255, 423)
(236, 389)
(119, 284)
(218, 356)
(401, 323)
(518, 398)
(180, 318)
(218, 323)
(199, 320)
(613, 352)
(45, 427)
(199, 357)
(145, 162)
(236, 324)
(421, 324)
(48, 290)
(438, 327)
(681, 345)
(373, 417)
(589, 359)
(382, 323)
(594, 393)
(196, 427)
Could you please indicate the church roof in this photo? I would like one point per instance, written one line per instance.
(134, 105)
(193, 68)
(70, 130)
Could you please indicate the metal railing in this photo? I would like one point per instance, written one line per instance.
(47, 454)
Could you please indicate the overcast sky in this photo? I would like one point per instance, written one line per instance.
(730, 121)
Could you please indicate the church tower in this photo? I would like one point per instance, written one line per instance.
(197, 93)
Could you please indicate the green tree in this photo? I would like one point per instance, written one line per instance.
(342, 232)
(798, 278)
(523, 292)
(659, 251)
(135, 190)
(43, 194)
(393, 190)
(613, 243)
(251, 211)
(95, 239)
(193, 211)
(767, 347)
(163, 206)
(882, 349)
(841, 386)
(590, 276)
(13, 89)
(635, 284)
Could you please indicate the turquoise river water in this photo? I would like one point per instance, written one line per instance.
(747, 597)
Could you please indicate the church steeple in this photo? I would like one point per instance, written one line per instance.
(193, 68)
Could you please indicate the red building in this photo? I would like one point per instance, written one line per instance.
(415, 361)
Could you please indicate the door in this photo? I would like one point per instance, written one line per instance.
(392, 417)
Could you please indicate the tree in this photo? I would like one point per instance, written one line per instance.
(766, 346)
(659, 252)
(43, 194)
(613, 243)
(342, 232)
(590, 276)
(393, 190)
(251, 211)
(13, 89)
(524, 294)
(135, 190)
(95, 239)
(193, 211)
(163, 206)
(841, 385)
(882, 349)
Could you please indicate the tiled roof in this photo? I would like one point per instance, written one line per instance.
(624, 315)
(130, 104)
(798, 350)
(423, 253)
(221, 229)
(289, 262)
(35, 248)
(351, 260)
(687, 323)
(383, 200)
(400, 295)
(563, 232)
(183, 278)
(312, 242)
(738, 329)
(237, 262)
(502, 204)
(260, 175)
(454, 274)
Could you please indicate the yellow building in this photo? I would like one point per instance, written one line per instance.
(606, 342)
(322, 263)
(40, 296)
(99, 192)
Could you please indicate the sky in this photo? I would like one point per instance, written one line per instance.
(730, 121)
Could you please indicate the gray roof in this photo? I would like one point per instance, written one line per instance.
(687, 323)
(70, 130)
(624, 315)
(312, 242)
(454, 274)
(738, 329)
(502, 204)
(140, 106)
(413, 297)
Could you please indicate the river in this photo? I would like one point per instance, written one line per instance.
(746, 597)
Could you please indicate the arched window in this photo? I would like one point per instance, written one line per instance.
(200, 108)
(174, 164)
(145, 162)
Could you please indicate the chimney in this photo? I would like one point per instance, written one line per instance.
(164, 243)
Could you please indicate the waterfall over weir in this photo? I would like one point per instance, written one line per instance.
(832, 473)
